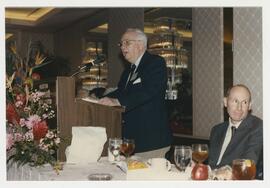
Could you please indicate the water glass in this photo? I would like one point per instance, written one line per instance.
(182, 157)
(114, 149)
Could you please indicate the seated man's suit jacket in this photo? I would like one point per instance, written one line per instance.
(247, 142)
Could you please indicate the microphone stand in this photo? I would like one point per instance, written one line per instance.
(79, 70)
(88, 67)
(97, 91)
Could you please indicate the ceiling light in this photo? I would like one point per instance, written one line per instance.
(26, 14)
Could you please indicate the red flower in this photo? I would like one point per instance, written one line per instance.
(12, 115)
(40, 129)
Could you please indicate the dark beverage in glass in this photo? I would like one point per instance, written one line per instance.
(127, 147)
(243, 169)
(199, 156)
(199, 152)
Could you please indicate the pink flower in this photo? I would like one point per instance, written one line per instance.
(22, 122)
(18, 137)
(26, 109)
(9, 141)
(32, 120)
(28, 136)
(18, 104)
(35, 96)
(50, 134)
(20, 99)
(57, 140)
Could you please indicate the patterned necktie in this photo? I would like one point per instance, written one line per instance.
(233, 128)
(132, 70)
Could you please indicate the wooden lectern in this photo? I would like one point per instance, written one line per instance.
(72, 111)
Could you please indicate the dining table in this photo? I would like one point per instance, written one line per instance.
(82, 172)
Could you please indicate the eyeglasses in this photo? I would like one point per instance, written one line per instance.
(126, 42)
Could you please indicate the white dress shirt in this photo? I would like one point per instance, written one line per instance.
(227, 139)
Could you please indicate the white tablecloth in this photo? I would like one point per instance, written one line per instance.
(75, 172)
(70, 172)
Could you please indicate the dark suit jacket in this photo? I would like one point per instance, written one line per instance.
(145, 117)
(247, 142)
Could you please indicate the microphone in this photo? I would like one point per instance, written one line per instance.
(88, 65)
(97, 61)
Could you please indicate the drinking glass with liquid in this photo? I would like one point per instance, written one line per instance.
(243, 169)
(114, 149)
(182, 157)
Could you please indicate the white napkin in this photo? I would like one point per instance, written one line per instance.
(86, 145)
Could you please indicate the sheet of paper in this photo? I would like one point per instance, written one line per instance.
(90, 99)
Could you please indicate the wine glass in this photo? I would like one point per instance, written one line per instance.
(199, 152)
(127, 147)
(182, 157)
(243, 169)
(114, 149)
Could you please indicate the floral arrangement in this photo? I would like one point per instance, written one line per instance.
(29, 139)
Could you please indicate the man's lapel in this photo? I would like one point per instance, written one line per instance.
(139, 69)
(221, 136)
(134, 76)
(142, 62)
(241, 131)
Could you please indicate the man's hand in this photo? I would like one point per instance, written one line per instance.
(109, 101)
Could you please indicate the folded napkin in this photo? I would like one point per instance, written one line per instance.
(151, 174)
(86, 144)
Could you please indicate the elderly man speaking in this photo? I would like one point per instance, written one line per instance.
(141, 90)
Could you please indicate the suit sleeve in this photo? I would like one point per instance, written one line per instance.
(121, 85)
(255, 144)
(154, 80)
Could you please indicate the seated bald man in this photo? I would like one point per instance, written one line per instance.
(241, 136)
